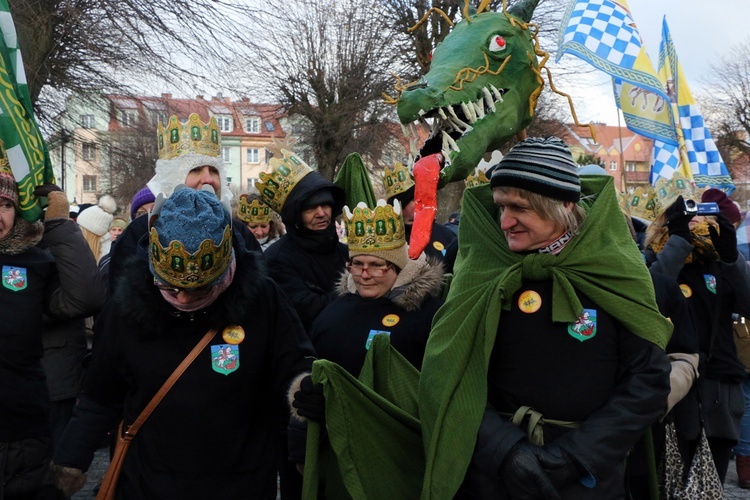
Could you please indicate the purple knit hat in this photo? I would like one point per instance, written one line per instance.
(141, 198)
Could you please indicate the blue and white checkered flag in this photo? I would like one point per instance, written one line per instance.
(665, 161)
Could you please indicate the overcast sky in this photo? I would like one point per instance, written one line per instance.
(702, 31)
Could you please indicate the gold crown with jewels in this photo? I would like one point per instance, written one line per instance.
(253, 211)
(477, 179)
(642, 203)
(287, 170)
(667, 191)
(381, 228)
(176, 266)
(193, 136)
(396, 180)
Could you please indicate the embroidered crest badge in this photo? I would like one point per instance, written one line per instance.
(585, 327)
(14, 278)
(710, 282)
(225, 358)
(368, 343)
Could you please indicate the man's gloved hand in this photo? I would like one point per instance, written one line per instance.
(560, 466)
(58, 206)
(523, 474)
(677, 220)
(309, 400)
(67, 479)
(724, 240)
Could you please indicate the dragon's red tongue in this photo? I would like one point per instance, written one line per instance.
(426, 173)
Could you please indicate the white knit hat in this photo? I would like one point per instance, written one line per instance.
(97, 218)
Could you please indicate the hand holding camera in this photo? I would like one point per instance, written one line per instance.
(724, 240)
(678, 219)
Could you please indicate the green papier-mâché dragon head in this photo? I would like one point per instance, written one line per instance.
(481, 89)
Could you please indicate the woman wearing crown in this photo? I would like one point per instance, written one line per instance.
(261, 220)
(381, 292)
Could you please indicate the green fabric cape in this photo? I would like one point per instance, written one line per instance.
(384, 443)
(354, 179)
(602, 262)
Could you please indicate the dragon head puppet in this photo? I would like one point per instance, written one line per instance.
(481, 89)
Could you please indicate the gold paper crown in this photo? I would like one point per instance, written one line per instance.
(396, 180)
(285, 174)
(371, 230)
(253, 211)
(177, 267)
(193, 136)
(667, 191)
(4, 162)
(477, 180)
(642, 203)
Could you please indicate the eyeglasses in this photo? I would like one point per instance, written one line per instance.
(201, 291)
(375, 272)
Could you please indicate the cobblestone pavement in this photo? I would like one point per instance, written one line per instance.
(101, 460)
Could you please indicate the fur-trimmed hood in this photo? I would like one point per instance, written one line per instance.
(21, 237)
(420, 278)
(137, 299)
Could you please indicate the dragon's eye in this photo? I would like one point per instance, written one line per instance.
(497, 44)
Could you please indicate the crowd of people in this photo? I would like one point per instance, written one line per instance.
(529, 350)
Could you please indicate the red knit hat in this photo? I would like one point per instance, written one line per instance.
(726, 206)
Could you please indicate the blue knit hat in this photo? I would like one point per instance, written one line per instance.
(543, 166)
(190, 241)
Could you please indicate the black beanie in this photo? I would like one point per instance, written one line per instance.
(542, 166)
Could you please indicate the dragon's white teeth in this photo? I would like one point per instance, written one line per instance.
(456, 119)
(488, 99)
(498, 95)
(410, 166)
(446, 154)
(413, 146)
(479, 108)
(468, 110)
(451, 144)
(405, 130)
(442, 114)
(421, 112)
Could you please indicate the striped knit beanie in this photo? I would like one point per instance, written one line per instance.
(543, 166)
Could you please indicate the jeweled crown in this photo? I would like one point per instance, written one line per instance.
(667, 191)
(477, 179)
(176, 266)
(381, 228)
(253, 211)
(396, 180)
(193, 136)
(286, 172)
(642, 203)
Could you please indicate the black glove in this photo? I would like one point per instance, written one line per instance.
(309, 400)
(725, 240)
(560, 466)
(46, 189)
(523, 475)
(677, 220)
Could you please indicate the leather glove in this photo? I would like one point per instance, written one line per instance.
(58, 206)
(46, 189)
(677, 220)
(725, 240)
(68, 479)
(560, 465)
(309, 400)
(523, 475)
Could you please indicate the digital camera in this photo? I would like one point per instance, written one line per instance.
(694, 208)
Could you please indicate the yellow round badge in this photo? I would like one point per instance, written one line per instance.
(233, 334)
(438, 246)
(529, 302)
(686, 290)
(391, 320)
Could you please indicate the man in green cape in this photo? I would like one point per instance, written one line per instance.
(546, 362)
(592, 370)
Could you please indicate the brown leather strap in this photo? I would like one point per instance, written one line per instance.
(131, 430)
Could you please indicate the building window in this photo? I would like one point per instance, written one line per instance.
(630, 166)
(253, 155)
(225, 123)
(128, 117)
(251, 181)
(252, 125)
(270, 127)
(88, 151)
(226, 153)
(87, 121)
(613, 165)
(160, 117)
(89, 183)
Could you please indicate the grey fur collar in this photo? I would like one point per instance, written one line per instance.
(420, 278)
(23, 236)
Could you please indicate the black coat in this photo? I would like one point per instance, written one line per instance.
(307, 264)
(215, 433)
